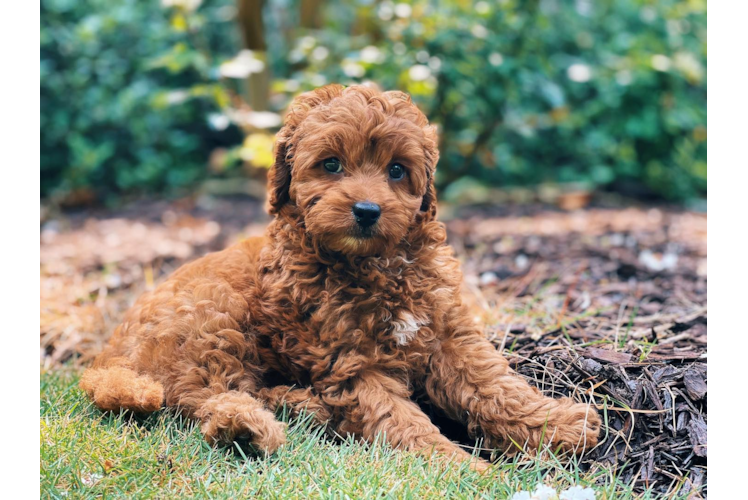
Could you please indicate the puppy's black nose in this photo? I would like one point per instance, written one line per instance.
(366, 213)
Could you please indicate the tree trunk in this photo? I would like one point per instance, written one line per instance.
(257, 85)
(311, 14)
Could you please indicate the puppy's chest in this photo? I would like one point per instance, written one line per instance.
(385, 310)
(378, 310)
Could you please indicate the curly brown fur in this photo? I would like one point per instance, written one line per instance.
(322, 316)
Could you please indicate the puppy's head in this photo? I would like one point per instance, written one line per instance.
(357, 166)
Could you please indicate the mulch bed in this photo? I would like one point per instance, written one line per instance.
(609, 305)
(605, 303)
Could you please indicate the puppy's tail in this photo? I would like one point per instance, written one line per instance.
(116, 387)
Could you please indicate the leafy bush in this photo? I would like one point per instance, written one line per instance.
(608, 93)
(123, 106)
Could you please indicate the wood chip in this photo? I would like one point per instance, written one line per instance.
(608, 356)
(695, 383)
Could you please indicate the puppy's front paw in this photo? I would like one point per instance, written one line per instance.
(227, 418)
(225, 428)
(576, 429)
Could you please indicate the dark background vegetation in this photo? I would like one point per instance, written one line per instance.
(156, 97)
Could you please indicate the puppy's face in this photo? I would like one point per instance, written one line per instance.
(361, 166)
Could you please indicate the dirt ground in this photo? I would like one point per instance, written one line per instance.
(609, 304)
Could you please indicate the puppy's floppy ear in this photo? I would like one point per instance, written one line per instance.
(428, 205)
(279, 176)
(431, 149)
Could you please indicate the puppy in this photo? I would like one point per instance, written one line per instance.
(347, 307)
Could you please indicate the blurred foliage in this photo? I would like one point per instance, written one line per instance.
(152, 95)
(124, 96)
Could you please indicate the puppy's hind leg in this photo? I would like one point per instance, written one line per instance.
(114, 387)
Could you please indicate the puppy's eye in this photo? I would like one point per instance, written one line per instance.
(397, 171)
(332, 165)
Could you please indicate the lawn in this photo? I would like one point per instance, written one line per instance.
(88, 454)
(604, 305)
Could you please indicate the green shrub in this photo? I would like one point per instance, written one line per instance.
(121, 106)
(610, 93)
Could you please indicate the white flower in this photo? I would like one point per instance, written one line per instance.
(656, 262)
(435, 63)
(218, 121)
(320, 53)
(257, 119)
(543, 492)
(521, 261)
(403, 10)
(495, 59)
(263, 119)
(244, 64)
(479, 31)
(353, 69)
(419, 72)
(307, 42)
(521, 495)
(177, 96)
(318, 80)
(488, 278)
(578, 493)
(386, 11)
(660, 62)
(372, 55)
(689, 65)
(188, 5)
(579, 73)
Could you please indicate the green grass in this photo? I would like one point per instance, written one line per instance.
(87, 454)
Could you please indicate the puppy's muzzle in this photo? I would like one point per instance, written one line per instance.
(366, 213)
